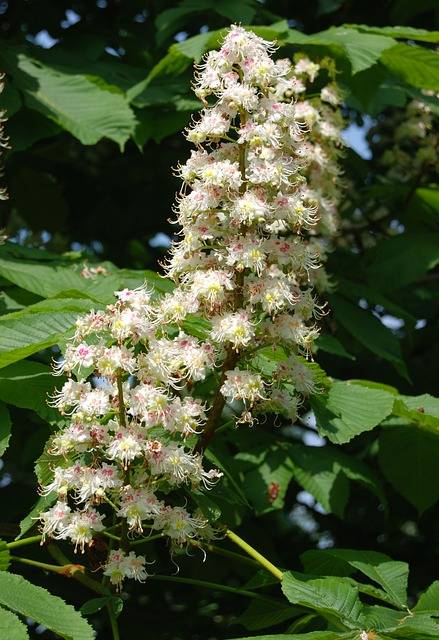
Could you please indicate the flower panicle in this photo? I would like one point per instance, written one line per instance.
(257, 211)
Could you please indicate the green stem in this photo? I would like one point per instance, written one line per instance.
(25, 541)
(149, 539)
(219, 551)
(214, 585)
(110, 535)
(113, 623)
(111, 503)
(67, 569)
(83, 578)
(268, 566)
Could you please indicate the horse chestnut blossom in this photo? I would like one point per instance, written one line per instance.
(256, 211)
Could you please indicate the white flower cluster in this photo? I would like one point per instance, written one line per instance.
(414, 142)
(254, 210)
(405, 156)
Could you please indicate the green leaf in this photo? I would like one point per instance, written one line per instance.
(11, 626)
(85, 105)
(53, 281)
(5, 556)
(96, 604)
(399, 261)
(322, 471)
(313, 635)
(350, 409)
(329, 344)
(422, 410)
(429, 600)
(406, 33)
(369, 332)
(415, 65)
(5, 428)
(319, 474)
(217, 458)
(408, 457)
(208, 507)
(34, 602)
(28, 333)
(266, 483)
(360, 49)
(390, 574)
(333, 598)
(169, 21)
(263, 613)
(27, 384)
(42, 504)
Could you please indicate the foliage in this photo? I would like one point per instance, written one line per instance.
(94, 137)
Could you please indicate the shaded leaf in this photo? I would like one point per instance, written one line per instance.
(369, 332)
(27, 384)
(408, 458)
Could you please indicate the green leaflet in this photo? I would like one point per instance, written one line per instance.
(333, 598)
(429, 600)
(369, 332)
(261, 614)
(391, 575)
(5, 557)
(22, 336)
(408, 458)
(11, 626)
(42, 504)
(415, 65)
(350, 409)
(5, 428)
(85, 105)
(28, 385)
(34, 602)
(54, 281)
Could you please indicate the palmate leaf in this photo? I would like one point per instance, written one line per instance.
(34, 602)
(11, 626)
(85, 105)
